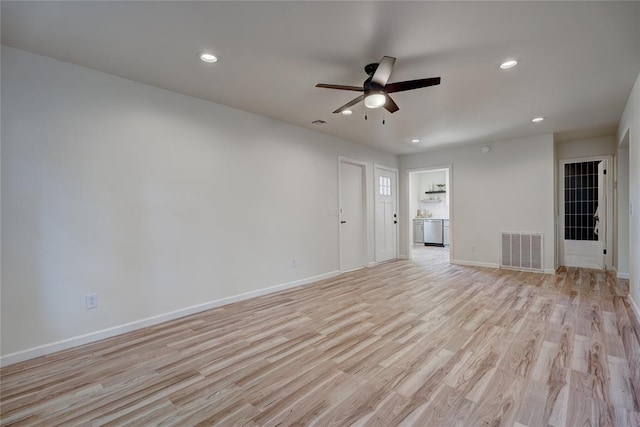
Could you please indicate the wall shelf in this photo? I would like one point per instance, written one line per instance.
(430, 201)
(435, 192)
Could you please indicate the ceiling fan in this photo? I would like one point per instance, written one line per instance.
(375, 88)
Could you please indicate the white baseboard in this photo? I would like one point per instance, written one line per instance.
(620, 275)
(79, 340)
(474, 263)
(371, 264)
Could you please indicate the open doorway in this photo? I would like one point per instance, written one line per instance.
(430, 225)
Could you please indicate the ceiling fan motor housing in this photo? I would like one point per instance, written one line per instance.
(370, 86)
(371, 68)
(375, 89)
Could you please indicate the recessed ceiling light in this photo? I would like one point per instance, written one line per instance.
(537, 119)
(208, 57)
(510, 63)
(415, 141)
(347, 112)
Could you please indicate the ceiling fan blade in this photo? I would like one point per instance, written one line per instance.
(349, 104)
(390, 105)
(411, 84)
(383, 72)
(340, 87)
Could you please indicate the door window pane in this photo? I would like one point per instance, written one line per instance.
(385, 186)
(581, 200)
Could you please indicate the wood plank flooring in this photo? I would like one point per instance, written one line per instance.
(416, 342)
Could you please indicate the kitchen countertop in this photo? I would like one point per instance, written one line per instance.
(443, 219)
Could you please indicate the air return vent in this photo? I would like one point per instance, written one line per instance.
(521, 251)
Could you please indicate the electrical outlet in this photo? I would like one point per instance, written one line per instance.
(294, 263)
(473, 248)
(91, 301)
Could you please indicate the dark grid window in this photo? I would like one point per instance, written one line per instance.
(580, 200)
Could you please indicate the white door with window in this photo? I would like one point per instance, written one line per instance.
(584, 213)
(352, 211)
(386, 214)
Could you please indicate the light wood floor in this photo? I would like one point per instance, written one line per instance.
(416, 342)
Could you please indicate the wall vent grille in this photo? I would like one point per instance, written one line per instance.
(521, 251)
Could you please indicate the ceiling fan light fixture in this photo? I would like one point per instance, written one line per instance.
(509, 63)
(415, 141)
(347, 112)
(537, 119)
(208, 57)
(375, 100)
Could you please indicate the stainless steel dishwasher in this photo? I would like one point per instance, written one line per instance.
(433, 232)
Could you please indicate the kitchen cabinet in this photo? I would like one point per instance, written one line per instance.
(437, 233)
(418, 231)
(447, 232)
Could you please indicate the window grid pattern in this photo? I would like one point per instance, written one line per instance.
(580, 200)
(385, 186)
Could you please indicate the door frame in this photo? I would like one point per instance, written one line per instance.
(396, 201)
(408, 226)
(365, 246)
(608, 223)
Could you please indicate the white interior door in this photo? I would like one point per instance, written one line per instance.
(584, 213)
(352, 233)
(386, 214)
(602, 212)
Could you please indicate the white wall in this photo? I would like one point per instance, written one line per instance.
(154, 200)
(590, 147)
(509, 189)
(630, 123)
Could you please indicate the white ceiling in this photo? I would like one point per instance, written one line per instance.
(578, 60)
